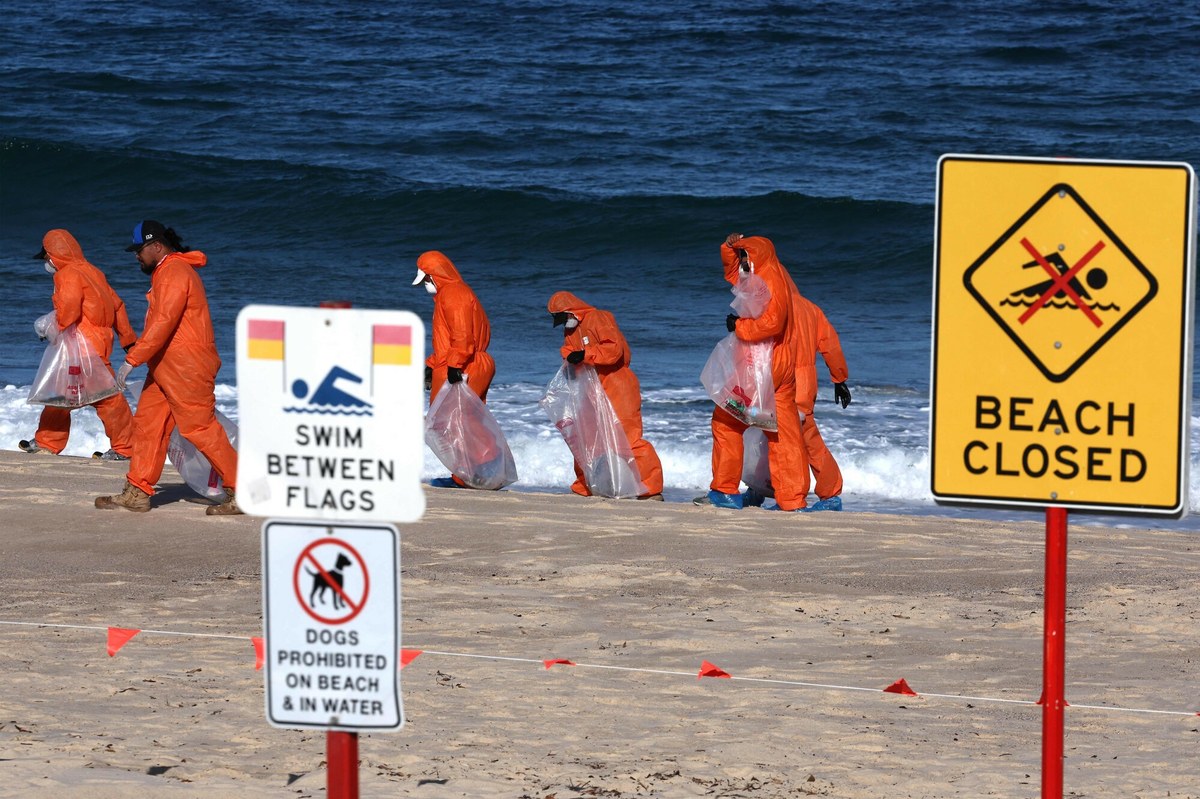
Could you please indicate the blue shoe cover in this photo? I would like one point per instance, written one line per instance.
(833, 503)
(717, 499)
(444, 482)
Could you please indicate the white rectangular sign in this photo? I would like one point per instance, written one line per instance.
(331, 623)
(330, 413)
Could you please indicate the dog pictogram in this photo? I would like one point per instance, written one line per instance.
(330, 580)
(325, 580)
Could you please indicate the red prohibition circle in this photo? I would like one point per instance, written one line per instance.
(307, 555)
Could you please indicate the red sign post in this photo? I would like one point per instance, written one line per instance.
(1054, 650)
(341, 750)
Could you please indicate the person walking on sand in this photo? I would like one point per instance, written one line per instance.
(591, 336)
(83, 297)
(461, 334)
(180, 353)
(756, 255)
(815, 336)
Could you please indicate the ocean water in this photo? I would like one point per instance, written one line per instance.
(314, 150)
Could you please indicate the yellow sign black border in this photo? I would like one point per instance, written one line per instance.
(1176, 509)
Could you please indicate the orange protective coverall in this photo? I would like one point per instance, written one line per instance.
(83, 297)
(785, 447)
(180, 352)
(461, 331)
(605, 348)
(815, 335)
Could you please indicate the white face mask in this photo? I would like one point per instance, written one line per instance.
(428, 284)
(50, 267)
(571, 323)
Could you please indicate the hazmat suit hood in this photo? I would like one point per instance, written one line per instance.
(193, 258)
(566, 302)
(82, 295)
(62, 248)
(761, 253)
(439, 267)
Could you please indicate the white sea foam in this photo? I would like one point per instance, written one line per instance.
(880, 442)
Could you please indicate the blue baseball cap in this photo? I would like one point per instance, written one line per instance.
(146, 232)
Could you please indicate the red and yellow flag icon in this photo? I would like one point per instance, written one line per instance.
(392, 345)
(265, 339)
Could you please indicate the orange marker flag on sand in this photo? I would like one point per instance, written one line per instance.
(557, 662)
(408, 656)
(709, 670)
(260, 647)
(900, 687)
(118, 637)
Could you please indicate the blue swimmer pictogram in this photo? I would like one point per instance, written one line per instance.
(330, 399)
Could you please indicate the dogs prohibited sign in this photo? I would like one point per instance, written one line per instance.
(330, 578)
(331, 602)
(1062, 338)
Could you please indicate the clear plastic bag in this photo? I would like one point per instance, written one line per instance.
(737, 375)
(756, 468)
(46, 327)
(750, 296)
(71, 374)
(193, 467)
(464, 435)
(577, 405)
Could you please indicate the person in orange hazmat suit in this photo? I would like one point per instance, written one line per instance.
(591, 336)
(461, 334)
(82, 297)
(180, 353)
(756, 254)
(817, 335)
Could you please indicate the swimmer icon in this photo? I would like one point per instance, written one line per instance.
(328, 398)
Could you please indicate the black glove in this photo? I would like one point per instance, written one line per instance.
(575, 357)
(453, 375)
(428, 377)
(731, 322)
(841, 394)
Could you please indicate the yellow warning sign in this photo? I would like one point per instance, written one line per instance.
(1063, 333)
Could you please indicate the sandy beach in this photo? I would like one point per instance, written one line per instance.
(811, 615)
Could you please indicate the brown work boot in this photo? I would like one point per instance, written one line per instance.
(132, 498)
(227, 508)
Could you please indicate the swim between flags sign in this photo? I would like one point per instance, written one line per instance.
(330, 413)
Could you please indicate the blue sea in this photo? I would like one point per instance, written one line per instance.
(314, 149)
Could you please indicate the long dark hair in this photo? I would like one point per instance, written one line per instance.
(174, 242)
